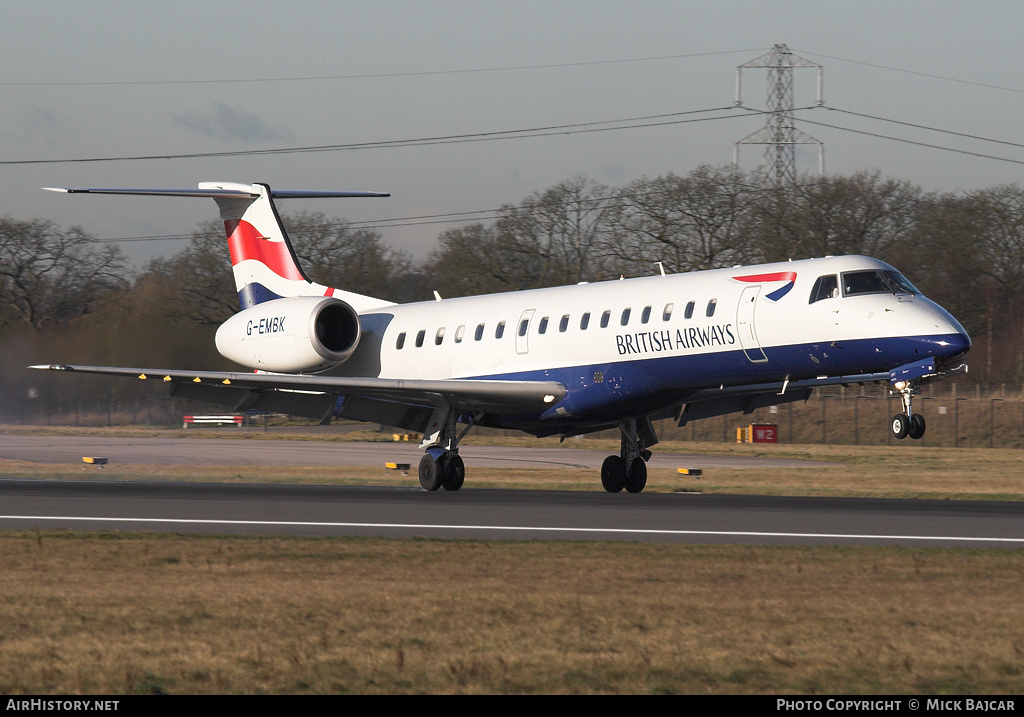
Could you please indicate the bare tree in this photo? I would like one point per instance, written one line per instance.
(49, 276)
(555, 237)
(1002, 238)
(333, 253)
(196, 284)
(468, 261)
(862, 214)
(1000, 243)
(688, 223)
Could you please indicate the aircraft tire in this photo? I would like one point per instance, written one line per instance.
(900, 426)
(454, 473)
(917, 427)
(637, 478)
(613, 474)
(430, 473)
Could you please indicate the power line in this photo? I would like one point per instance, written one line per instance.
(645, 121)
(921, 126)
(566, 129)
(373, 75)
(913, 142)
(915, 72)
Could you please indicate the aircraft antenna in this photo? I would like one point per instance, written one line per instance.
(779, 134)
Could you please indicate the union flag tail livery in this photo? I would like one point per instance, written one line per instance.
(262, 258)
(564, 360)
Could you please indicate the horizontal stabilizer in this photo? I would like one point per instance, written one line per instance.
(235, 192)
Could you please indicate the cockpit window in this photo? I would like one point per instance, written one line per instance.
(876, 282)
(826, 287)
(901, 282)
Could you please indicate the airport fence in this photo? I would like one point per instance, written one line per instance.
(956, 415)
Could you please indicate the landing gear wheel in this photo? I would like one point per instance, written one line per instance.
(454, 473)
(613, 474)
(430, 473)
(900, 425)
(917, 426)
(637, 478)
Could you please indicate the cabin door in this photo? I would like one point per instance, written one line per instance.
(523, 332)
(745, 324)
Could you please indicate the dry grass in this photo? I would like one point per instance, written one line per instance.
(875, 471)
(88, 613)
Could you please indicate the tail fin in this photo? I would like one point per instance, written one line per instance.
(262, 259)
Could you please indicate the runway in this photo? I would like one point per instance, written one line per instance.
(504, 514)
(402, 512)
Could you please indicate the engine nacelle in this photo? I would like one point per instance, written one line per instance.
(302, 334)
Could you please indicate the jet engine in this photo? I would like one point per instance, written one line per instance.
(302, 334)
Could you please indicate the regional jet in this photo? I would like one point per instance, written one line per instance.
(559, 361)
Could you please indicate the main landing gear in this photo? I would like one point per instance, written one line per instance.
(907, 423)
(442, 471)
(442, 466)
(629, 469)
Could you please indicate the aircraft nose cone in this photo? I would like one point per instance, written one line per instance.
(957, 344)
(963, 341)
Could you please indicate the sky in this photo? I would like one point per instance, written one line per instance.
(112, 81)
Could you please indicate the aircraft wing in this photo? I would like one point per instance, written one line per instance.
(406, 403)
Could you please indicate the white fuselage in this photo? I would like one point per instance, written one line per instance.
(643, 341)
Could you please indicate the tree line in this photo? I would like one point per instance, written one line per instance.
(64, 296)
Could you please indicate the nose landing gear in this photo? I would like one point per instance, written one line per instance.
(907, 423)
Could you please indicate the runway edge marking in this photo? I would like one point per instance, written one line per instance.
(509, 528)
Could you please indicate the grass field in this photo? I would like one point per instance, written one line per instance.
(138, 613)
(104, 613)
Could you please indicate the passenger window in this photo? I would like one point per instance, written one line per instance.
(479, 332)
(826, 287)
(419, 338)
(585, 321)
(439, 336)
(523, 326)
(459, 332)
(401, 341)
(605, 318)
(543, 327)
(564, 323)
(499, 330)
(646, 315)
(667, 313)
(689, 310)
(711, 307)
(625, 316)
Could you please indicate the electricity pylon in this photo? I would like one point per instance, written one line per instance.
(779, 135)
